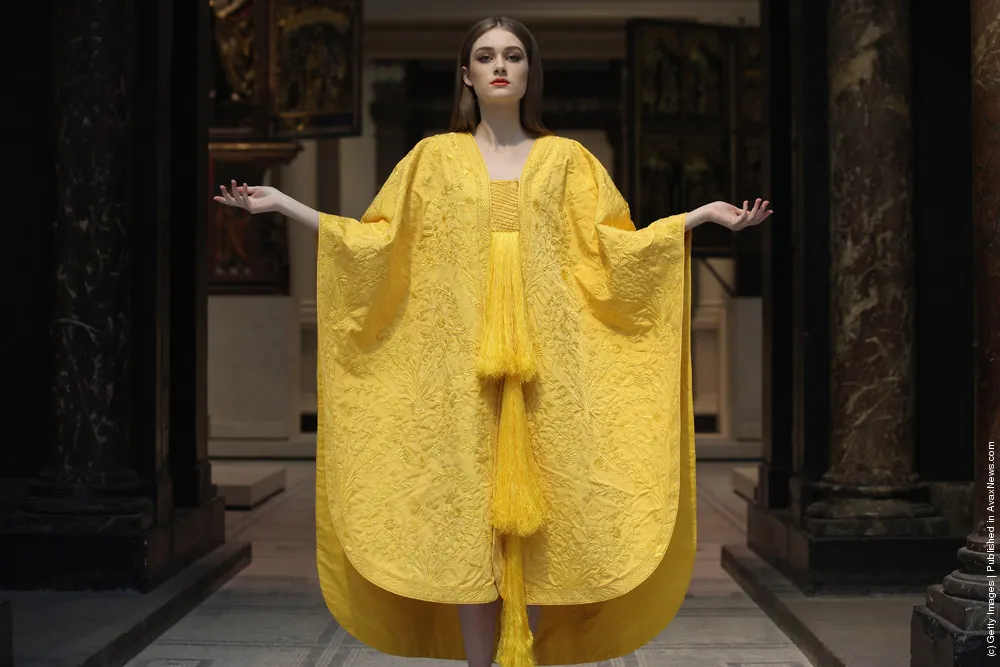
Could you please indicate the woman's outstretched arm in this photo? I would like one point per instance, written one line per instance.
(727, 215)
(264, 199)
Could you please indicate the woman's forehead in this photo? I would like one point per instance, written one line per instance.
(497, 39)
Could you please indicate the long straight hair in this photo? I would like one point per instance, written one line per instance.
(465, 115)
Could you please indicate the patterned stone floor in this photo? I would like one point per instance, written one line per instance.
(272, 614)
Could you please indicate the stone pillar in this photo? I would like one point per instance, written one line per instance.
(870, 488)
(101, 513)
(776, 252)
(188, 409)
(855, 512)
(89, 468)
(957, 625)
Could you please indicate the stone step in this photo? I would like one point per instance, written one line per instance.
(712, 447)
(302, 447)
(247, 484)
(745, 482)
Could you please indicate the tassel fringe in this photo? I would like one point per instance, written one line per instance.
(517, 508)
(506, 346)
(516, 647)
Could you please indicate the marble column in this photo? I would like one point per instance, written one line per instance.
(957, 626)
(986, 246)
(870, 484)
(89, 469)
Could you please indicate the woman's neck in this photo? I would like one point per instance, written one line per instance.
(500, 126)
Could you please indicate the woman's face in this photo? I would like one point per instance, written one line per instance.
(498, 68)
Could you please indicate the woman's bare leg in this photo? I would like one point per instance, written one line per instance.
(479, 622)
(479, 627)
(534, 611)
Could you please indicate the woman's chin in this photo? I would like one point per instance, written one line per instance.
(500, 96)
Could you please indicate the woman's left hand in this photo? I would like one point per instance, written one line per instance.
(734, 218)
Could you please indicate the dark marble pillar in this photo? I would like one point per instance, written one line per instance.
(843, 510)
(102, 513)
(986, 248)
(958, 624)
(775, 471)
(871, 245)
(870, 487)
(190, 85)
(89, 468)
(796, 279)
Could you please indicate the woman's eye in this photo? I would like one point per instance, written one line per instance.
(484, 59)
(515, 59)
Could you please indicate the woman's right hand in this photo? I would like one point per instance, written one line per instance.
(253, 198)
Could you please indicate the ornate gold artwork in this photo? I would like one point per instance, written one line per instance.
(234, 81)
(288, 68)
(314, 75)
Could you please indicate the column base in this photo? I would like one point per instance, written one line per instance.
(957, 625)
(63, 501)
(845, 563)
(839, 511)
(937, 641)
(101, 552)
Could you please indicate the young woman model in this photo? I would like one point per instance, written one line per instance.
(505, 389)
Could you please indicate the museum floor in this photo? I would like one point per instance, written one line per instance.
(272, 613)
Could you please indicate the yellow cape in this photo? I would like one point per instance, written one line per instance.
(406, 427)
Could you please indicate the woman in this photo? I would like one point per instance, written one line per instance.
(505, 401)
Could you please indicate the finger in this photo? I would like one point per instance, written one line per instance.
(227, 196)
(764, 215)
(741, 217)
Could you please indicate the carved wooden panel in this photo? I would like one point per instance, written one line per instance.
(695, 121)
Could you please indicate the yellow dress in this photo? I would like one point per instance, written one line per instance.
(408, 427)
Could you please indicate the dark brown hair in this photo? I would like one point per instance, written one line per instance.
(465, 111)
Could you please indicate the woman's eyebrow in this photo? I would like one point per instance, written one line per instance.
(506, 48)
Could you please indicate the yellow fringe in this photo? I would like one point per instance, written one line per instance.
(517, 507)
(506, 345)
(516, 646)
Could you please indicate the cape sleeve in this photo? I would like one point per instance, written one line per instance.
(362, 266)
(632, 279)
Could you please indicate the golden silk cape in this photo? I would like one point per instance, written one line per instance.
(407, 428)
